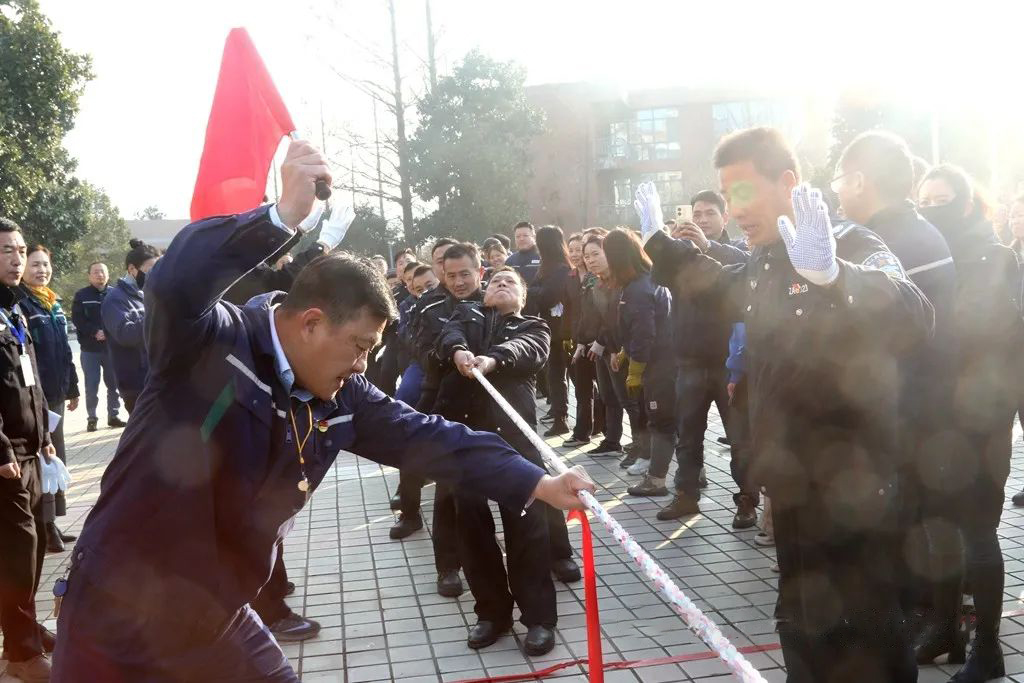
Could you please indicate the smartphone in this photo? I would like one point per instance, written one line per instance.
(684, 213)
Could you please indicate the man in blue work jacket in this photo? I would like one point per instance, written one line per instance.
(243, 414)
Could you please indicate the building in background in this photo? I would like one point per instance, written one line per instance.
(600, 143)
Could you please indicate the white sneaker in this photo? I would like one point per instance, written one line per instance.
(764, 539)
(639, 467)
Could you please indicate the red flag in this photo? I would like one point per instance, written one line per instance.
(247, 122)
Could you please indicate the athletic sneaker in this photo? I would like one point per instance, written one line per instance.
(639, 467)
(293, 628)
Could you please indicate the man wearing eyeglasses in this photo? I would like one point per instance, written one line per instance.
(874, 180)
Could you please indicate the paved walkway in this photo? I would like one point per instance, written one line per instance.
(382, 619)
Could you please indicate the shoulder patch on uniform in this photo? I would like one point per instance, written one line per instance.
(886, 262)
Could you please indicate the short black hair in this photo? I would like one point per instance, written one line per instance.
(885, 161)
(422, 270)
(505, 241)
(709, 197)
(406, 251)
(442, 242)
(95, 263)
(524, 224)
(410, 266)
(139, 252)
(342, 286)
(766, 148)
(463, 250)
(7, 225)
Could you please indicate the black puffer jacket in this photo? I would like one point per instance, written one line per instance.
(429, 316)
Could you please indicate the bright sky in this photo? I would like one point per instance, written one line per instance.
(140, 131)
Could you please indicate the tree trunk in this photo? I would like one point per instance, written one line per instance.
(401, 142)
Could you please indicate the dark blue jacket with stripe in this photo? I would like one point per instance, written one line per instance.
(204, 480)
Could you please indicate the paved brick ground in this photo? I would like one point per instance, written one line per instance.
(382, 619)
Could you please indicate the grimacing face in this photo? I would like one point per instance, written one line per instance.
(756, 202)
(329, 353)
(505, 293)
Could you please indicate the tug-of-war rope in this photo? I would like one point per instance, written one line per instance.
(695, 620)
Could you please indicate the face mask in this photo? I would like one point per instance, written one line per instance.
(140, 278)
(945, 217)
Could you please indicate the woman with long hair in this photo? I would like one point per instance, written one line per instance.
(583, 330)
(546, 298)
(599, 311)
(49, 329)
(645, 333)
(124, 319)
(974, 462)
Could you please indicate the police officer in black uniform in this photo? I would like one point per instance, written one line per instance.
(509, 348)
(825, 331)
(23, 436)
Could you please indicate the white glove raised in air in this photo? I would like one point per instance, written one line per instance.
(54, 474)
(648, 208)
(811, 244)
(335, 227)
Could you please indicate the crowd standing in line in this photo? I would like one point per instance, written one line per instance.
(863, 355)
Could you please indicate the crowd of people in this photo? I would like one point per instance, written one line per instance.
(859, 343)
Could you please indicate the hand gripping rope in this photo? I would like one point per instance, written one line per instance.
(697, 622)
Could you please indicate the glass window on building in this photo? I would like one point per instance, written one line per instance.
(649, 134)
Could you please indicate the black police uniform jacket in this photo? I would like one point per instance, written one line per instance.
(204, 481)
(429, 316)
(23, 417)
(520, 345)
(822, 365)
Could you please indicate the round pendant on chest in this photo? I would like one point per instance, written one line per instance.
(304, 485)
(322, 425)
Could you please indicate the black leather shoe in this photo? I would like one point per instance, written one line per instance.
(558, 427)
(49, 639)
(985, 663)
(936, 641)
(67, 538)
(682, 505)
(294, 628)
(405, 526)
(566, 571)
(540, 640)
(1018, 499)
(746, 514)
(396, 502)
(485, 633)
(116, 423)
(53, 542)
(449, 585)
(628, 461)
(91, 425)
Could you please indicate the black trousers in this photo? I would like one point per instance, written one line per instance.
(613, 411)
(269, 603)
(410, 493)
(558, 389)
(697, 387)
(590, 410)
(528, 581)
(22, 548)
(839, 618)
(55, 505)
(129, 397)
(963, 520)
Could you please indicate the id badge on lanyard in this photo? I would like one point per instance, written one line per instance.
(28, 377)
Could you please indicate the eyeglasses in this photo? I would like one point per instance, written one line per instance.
(836, 183)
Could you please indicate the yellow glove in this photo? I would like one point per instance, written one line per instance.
(635, 378)
(568, 345)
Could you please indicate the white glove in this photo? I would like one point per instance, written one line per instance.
(648, 208)
(580, 350)
(597, 349)
(55, 475)
(335, 227)
(811, 244)
(310, 221)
